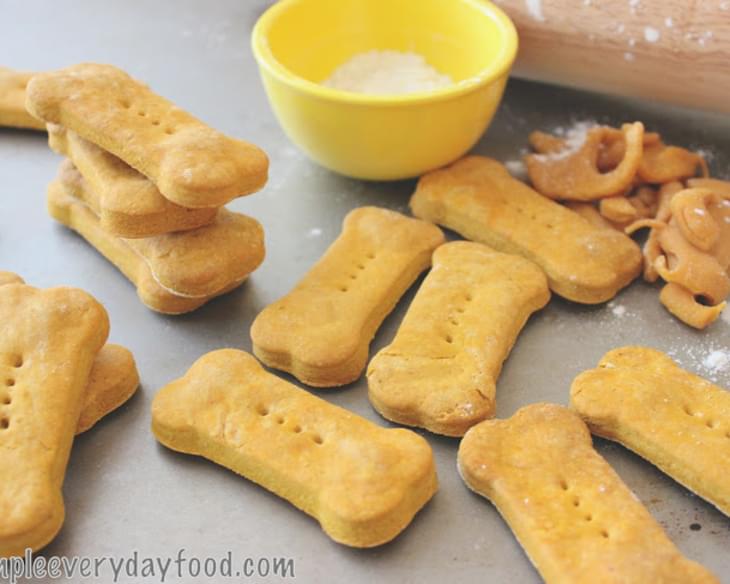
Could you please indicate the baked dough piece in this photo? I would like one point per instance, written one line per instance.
(671, 417)
(192, 164)
(112, 381)
(48, 342)
(363, 483)
(12, 100)
(478, 198)
(321, 331)
(127, 203)
(74, 214)
(441, 369)
(575, 518)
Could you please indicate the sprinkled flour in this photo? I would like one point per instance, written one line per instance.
(651, 35)
(534, 7)
(387, 73)
(717, 361)
(516, 168)
(619, 310)
(574, 136)
(711, 361)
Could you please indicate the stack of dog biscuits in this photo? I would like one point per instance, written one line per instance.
(145, 183)
(58, 379)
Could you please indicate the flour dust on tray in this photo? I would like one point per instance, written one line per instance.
(387, 73)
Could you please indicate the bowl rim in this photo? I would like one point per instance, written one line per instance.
(492, 72)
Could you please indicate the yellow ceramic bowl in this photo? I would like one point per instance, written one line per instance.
(298, 43)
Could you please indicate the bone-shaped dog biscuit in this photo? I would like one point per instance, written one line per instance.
(192, 164)
(441, 369)
(127, 203)
(197, 263)
(48, 342)
(10, 278)
(12, 101)
(320, 332)
(478, 198)
(363, 483)
(575, 518)
(674, 419)
(76, 215)
(112, 381)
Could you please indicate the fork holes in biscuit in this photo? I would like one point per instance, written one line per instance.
(449, 339)
(468, 297)
(711, 423)
(688, 411)
(169, 131)
(576, 502)
(17, 361)
(142, 114)
(297, 429)
(317, 439)
(262, 411)
(564, 485)
(588, 517)
(279, 420)
(155, 122)
(4, 423)
(343, 288)
(10, 382)
(604, 533)
(125, 103)
(370, 256)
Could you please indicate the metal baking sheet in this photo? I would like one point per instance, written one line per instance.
(125, 493)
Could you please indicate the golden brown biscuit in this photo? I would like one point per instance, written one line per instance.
(112, 381)
(479, 199)
(74, 214)
(320, 332)
(440, 371)
(575, 518)
(197, 263)
(48, 342)
(12, 101)
(672, 418)
(192, 164)
(10, 278)
(127, 203)
(362, 483)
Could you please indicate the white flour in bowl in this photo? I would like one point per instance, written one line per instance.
(386, 73)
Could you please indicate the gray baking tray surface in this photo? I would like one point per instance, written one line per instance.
(124, 492)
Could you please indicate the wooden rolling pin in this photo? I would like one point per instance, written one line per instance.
(670, 50)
